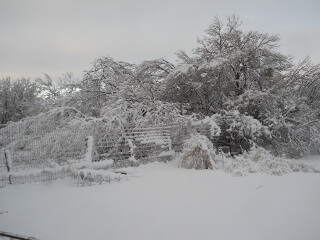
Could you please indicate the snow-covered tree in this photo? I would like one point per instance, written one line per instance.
(150, 78)
(68, 84)
(192, 87)
(227, 62)
(232, 69)
(297, 124)
(123, 113)
(49, 90)
(110, 82)
(290, 109)
(105, 82)
(18, 99)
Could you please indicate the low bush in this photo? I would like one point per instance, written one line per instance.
(198, 153)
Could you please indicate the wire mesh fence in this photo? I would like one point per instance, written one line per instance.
(37, 146)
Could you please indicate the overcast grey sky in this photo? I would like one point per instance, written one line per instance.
(60, 36)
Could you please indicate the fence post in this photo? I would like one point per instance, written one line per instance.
(7, 157)
(89, 149)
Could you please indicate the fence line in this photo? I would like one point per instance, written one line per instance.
(34, 147)
(29, 178)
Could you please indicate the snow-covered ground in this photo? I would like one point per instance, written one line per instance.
(161, 201)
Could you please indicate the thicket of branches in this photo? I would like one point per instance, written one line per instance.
(229, 70)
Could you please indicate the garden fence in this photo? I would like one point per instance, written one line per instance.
(37, 147)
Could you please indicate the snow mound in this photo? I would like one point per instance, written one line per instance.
(259, 160)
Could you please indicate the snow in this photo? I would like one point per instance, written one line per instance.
(247, 125)
(162, 201)
(166, 153)
(158, 140)
(260, 160)
(203, 75)
(198, 153)
(36, 171)
(132, 159)
(214, 127)
(198, 141)
(132, 146)
(93, 165)
(89, 176)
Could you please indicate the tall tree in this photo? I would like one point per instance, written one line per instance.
(150, 77)
(103, 83)
(227, 62)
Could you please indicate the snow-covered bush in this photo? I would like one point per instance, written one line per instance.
(259, 160)
(257, 104)
(296, 136)
(290, 113)
(245, 126)
(212, 121)
(198, 153)
(233, 129)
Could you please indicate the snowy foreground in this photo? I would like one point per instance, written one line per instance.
(161, 201)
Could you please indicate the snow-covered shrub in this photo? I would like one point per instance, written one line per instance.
(245, 126)
(198, 153)
(296, 138)
(259, 160)
(234, 129)
(292, 119)
(212, 121)
(254, 103)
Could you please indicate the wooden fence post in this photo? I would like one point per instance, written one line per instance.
(7, 157)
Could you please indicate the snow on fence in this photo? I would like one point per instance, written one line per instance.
(25, 177)
(28, 148)
(135, 145)
(36, 145)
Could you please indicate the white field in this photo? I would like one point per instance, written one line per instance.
(161, 201)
